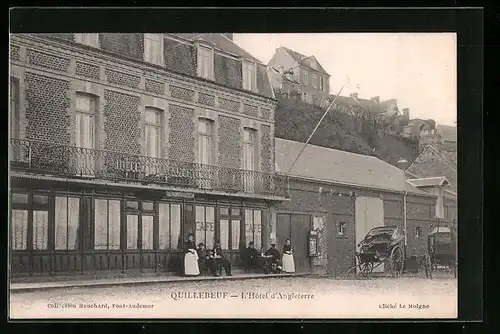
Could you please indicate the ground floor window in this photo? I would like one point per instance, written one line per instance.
(106, 224)
(67, 219)
(29, 221)
(253, 227)
(205, 225)
(169, 225)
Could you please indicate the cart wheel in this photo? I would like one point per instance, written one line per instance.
(428, 266)
(396, 261)
(366, 268)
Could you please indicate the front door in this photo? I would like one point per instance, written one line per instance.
(295, 227)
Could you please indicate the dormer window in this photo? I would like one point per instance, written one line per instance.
(249, 75)
(205, 62)
(153, 49)
(91, 40)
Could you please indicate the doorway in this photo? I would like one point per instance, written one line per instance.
(295, 227)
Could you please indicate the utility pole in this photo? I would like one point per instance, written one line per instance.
(316, 128)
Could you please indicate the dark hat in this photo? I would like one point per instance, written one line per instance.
(250, 243)
(201, 244)
(273, 244)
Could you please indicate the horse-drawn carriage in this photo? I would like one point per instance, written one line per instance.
(386, 246)
(442, 246)
(381, 246)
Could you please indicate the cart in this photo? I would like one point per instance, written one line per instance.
(441, 252)
(381, 245)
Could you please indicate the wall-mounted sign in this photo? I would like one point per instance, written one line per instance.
(179, 194)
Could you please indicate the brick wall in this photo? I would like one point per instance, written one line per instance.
(46, 108)
(229, 142)
(121, 123)
(181, 136)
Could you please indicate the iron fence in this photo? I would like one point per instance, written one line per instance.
(71, 161)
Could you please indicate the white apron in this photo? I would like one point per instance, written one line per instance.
(191, 263)
(288, 264)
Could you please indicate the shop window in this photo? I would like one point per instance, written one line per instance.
(67, 223)
(169, 226)
(107, 224)
(253, 227)
(205, 225)
(147, 232)
(19, 229)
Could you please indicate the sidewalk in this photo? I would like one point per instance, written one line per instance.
(107, 282)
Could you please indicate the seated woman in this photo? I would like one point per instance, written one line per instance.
(272, 263)
(288, 263)
(191, 267)
(202, 257)
(220, 260)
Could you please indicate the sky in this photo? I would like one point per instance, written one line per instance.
(417, 69)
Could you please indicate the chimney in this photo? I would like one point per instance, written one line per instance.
(354, 95)
(406, 113)
(376, 99)
(228, 35)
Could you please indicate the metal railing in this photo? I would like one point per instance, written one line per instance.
(71, 161)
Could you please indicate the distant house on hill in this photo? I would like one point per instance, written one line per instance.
(448, 136)
(293, 73)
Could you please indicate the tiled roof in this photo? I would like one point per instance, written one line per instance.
(304, 60)
(339, 166)
(429, 181)
(220, 42)
(448, 133)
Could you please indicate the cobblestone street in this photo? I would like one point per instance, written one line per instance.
(261, 298)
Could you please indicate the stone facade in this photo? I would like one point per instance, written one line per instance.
(53, 69)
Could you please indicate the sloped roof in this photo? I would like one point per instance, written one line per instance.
(430, 162)
(429, 181)
(220, 42)
(448, 133)
(305, 60)
(332, 165)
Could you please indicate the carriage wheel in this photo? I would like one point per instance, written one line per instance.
(428, 266)
(366, 268)
(396, 261)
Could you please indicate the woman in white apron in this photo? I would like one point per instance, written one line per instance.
(288, 264)
(190, 257)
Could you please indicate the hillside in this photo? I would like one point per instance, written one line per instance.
(296, 121)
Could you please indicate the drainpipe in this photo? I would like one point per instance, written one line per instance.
(404, 219)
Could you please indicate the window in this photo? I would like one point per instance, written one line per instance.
(341, 229)
(205, 63)
(14, 108)
(418, 232)
(88, 39)
(314, 81)
(253, 227)
(85, 134)
(249, 76)
(67, 221)
(205, 143)
(152, 135)
(23, 236)
(147, 232)
(229, 228)
(305, 78)
(249, 148)
(169, 226)
(321, 84)
(153, 49)
(107, 224)
(205, 225)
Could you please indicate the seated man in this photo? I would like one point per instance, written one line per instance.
(273, 262)
(250, 257)
(202, 257)
(219, 260)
